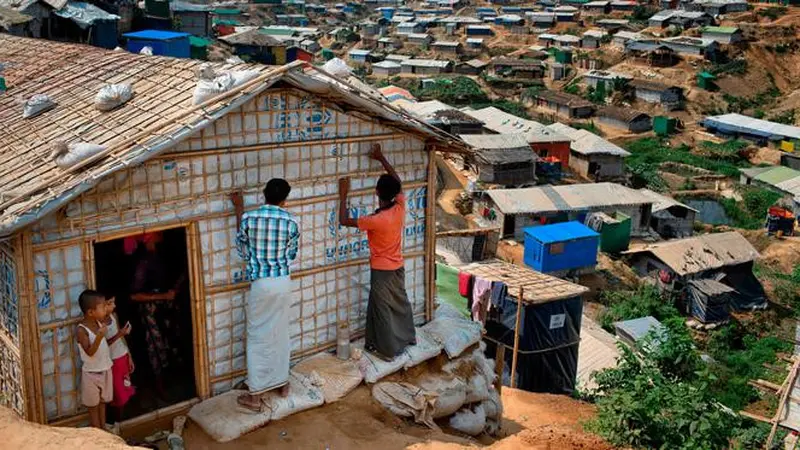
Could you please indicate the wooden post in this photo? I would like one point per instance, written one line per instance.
(788, 385)
(516, 339)
(499, 363)
(198, 312)
(430, 235)
(30, 340)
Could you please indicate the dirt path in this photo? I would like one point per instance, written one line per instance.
(531, 421)
(454, 183)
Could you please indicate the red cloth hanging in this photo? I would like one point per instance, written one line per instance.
(464, 282)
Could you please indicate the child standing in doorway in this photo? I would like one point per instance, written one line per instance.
(122, 363)
(96, 378)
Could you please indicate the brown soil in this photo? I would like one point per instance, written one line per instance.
(19, 434)
(530, 421)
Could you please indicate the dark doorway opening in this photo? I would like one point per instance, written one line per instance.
(135, 270)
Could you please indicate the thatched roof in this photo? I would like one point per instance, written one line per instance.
(158, 117)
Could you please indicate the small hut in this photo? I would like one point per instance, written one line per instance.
(504, 159)
(170, 167)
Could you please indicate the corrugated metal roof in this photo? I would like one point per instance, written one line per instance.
(662, 202)
(560, 232)
(777, 174)
(387, 65)
(697, 254)
(506, 155)
(573, 197)
(502, 122)
(597, 351)
(746, 124)
(636, 329)
(427, 63)
(587, 143)
(721, 30)
(496, 141)
(623, 114)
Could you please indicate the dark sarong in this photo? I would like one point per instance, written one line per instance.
(390, 321)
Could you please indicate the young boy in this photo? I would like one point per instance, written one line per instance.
(122, 363)
(96, 378)
(390, 321)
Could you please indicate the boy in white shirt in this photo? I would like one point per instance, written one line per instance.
(96, 378)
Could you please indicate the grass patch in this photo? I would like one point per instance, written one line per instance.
(750, 213)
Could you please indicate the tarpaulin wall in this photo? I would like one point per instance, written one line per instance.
(281, 133)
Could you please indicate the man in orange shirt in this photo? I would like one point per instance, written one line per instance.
(390, 321)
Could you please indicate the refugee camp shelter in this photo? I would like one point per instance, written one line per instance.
(761, 131)
(671, 218)
(614, 229)
(191, 18)
(14, 22)
(504, 159)
(709, 301)
(591, 156)
(170, 167)
(165, 43)
(516, 209)
(89, 23)
(548, 325)
(257, 46)
(727, 257)
(561, 248)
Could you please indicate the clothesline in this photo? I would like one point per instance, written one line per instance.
(537, 287)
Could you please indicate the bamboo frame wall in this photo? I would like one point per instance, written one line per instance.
(190, 187)
(11, 375)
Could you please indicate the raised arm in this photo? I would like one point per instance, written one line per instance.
(344, 189)
(377, 154)
(91, 347)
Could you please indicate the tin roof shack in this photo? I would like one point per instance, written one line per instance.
(472, 67)
(549, 327)
(685, 45)
(614, 229)
(165, 43)
(710, 301)
(596, 8)
(591, 156)
(504, 159)
(679, 18)
(180, 163)
(516, 69)
(411, 28)
(386, 69)
(566, 13)
(516, 209)
(443, 117)
(191, 18)
(727, 257)
(783, 180)
(479, 30)
(389, 43)
(624, 119)
(565, 105)
(419, 39)
(718, 7)
(622, 38)
(670, 218)
(426, 66)
(652, 52)
(541, 20)
(594, 77)
(546, 143)
(14, 22)
(359, 56)
(561, 249)
(447, 48)
(613, 25)
(256, 46)
(593, 38)
(669, 97)
(723, 35)
(760, 131)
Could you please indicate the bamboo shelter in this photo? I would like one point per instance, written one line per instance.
(168, 165)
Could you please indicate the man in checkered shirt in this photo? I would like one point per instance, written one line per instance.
(268, 240)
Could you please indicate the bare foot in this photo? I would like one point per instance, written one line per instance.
(251, 402)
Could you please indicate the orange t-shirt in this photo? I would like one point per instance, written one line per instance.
(385, 235)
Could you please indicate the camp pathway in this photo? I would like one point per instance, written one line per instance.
(530, 421)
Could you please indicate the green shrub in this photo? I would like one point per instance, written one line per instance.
(644, 301)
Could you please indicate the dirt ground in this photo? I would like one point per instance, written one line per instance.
(530, 421)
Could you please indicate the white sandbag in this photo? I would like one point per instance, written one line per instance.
(37, 104)
(452, 393)
(484, 365)
(426, 348)
(66, 156)
(224, 420)
(113, 95)
(374, 368)
(455, 334)
(337, 67)
(446, 310)
(234, 60)
(146, 50)
(336, 377)
(119, 49)
(209, 88)
(468, 421)
(477, 389)
(406, 400)
(493, 405)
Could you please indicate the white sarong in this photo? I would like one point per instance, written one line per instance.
(267, 313)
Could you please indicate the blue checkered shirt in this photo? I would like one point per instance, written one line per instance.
(268, 241)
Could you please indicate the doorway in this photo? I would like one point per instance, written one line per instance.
(142, 272)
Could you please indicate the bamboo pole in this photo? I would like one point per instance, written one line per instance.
(29, 336)
(149, 131)
(198, 310)
(430, 237)
(499, 365)
(516, 339)
(787, 387)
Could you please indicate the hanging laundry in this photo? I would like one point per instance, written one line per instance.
(481, 291)
(464, 283)
(499, 290)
